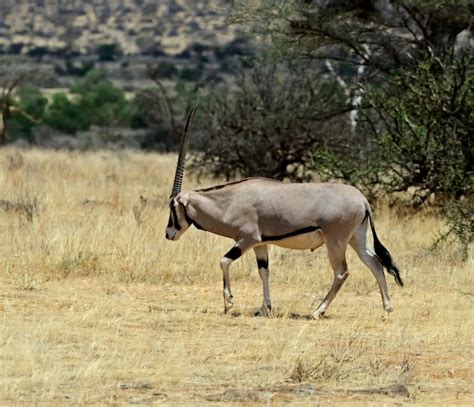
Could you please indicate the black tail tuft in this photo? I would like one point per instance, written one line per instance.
(384, 256)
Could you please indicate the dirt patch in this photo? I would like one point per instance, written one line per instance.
(265, 393)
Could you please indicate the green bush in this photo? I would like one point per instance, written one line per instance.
(64, 115)
(95, 101)
(191, 74)
(107, 52)
(32, 104)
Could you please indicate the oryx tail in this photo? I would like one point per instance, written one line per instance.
(383, 254)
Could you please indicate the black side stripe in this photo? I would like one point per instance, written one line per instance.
(291, 234)
(234, 253)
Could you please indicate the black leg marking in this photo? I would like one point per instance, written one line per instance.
(262, 263)
(234, 253)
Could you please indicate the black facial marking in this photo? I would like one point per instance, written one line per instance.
(234, 253)
(291, 234)
(176, 224)
(262, 263)
(191, 221)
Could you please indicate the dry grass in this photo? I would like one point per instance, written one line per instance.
(99, 309)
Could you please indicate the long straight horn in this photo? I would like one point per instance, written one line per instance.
(178, 177)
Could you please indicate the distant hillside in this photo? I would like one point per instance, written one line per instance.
(135, 27)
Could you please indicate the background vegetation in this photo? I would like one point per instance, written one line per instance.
(384, 102)
(376, 94)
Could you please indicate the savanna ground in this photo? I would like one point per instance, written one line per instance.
(97, 308)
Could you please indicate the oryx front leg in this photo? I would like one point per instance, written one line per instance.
(262, 263)
(337, 258)
(230, 256)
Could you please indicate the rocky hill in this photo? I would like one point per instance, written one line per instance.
(135, 27)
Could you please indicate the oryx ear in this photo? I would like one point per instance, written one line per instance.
(184, 200)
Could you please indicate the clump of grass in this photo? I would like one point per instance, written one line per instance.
(26, 206)
(14, 161)
(334, 365)
(140, 207)
(23, 280)
(80, 264)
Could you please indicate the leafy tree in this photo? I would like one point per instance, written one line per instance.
(32, 103)
(165, 70)
(415, 134)
(404, 69)
(422, 125)
(13, 75)
(270, 125)
(359, 41)
(64, 115)
(95, 101)
(420, 130)
(191, 74)
(107, 52)
(163, 109)
(101, 101)
(382, 35)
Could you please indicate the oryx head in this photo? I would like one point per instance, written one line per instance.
(178, 222)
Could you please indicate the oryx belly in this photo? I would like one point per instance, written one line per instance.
(305, 241)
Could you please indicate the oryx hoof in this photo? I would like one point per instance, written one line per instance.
(386, 313)
(263, 311)
(227, 307)
(318, 315)
(388, 309)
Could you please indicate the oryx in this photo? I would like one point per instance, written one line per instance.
(256, 212)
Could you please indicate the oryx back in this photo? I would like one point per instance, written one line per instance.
(298, 216)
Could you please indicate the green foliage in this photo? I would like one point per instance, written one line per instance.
(422, 124)
(418, 140)
(382, 35)
(95, 101)
(64, 115)
(165, 70)
(191, 74)
(100, 101)
(107, 52)
(32, 104)
(406, 71)
(460, 220)
(415, 135)
(271, 124)
(163, 111)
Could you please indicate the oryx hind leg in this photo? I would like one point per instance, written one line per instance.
(262, 262)
(233, 254)
(359, 244)
(337, 258)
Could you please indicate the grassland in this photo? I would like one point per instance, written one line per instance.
(99, 309)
